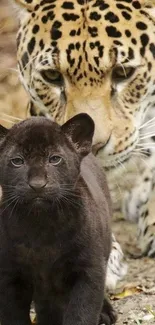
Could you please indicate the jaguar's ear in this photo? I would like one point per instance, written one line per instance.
(149, 6)
(80, 130)
(3, 131)
(28, 5)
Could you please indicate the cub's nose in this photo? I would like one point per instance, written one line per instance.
(37, 183)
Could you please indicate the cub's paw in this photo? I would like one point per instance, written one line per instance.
(108, 315)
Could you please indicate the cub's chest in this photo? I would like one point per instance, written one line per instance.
(38, 257)
(49, 268)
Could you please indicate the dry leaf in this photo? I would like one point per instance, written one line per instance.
(127, 291)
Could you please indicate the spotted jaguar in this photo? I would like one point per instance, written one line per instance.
(98, 57)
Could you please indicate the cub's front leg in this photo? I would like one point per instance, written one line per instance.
(15, 299)
(86, 301)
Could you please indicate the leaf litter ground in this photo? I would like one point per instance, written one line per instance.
(134, 298)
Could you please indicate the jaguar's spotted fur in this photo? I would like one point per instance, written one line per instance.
(95, 56)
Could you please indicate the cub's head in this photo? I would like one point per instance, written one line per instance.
(40, 161)
(92, 56)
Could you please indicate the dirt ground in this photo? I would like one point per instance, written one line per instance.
(140, 280)
(139, 308)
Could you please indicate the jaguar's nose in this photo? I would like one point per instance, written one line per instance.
(97, 147)
(37, 183)
(100, 145)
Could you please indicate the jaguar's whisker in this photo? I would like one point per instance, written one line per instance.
(146, 123)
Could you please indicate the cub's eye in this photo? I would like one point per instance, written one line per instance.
(17, 161)
(55, 160)
(52, 76)
(121, 74)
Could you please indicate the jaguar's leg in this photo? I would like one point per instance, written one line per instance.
(117, 267)
(136, 201)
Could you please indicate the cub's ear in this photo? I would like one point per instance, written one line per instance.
(80, 130)
(3, 131)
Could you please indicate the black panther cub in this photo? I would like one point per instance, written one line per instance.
(55, 237)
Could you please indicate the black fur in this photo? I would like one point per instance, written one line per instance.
(55, 237)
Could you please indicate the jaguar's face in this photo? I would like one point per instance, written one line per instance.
(95, 57)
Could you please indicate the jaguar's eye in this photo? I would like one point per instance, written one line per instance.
(52, 76)
(17, 161)
(121, 74)
(55, 160)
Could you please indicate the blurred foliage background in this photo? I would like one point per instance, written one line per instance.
(13, 99)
